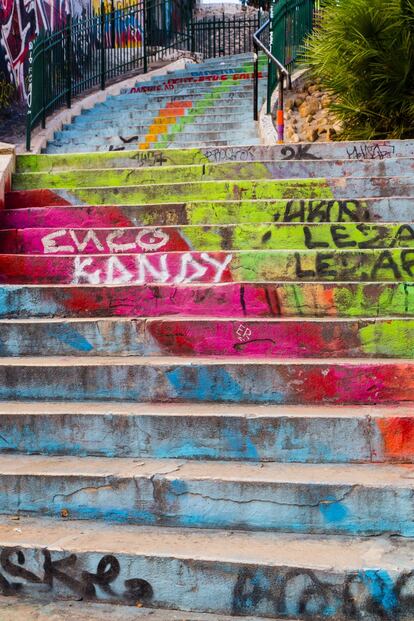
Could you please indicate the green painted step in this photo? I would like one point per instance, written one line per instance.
(80, 178)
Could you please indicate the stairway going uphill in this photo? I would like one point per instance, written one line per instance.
(207, 104)
(206, 380)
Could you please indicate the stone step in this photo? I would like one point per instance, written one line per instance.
(242, 266)
(271, 236)
(79, 178)
(348, 188)
(17, 607)
(186, 135)
(141, 111)
(116, 145)
(207, 213)
(219, 380)
(357, 499)
(200, 300)
(388, 337)
(162, 100)
(304, 151)
(148, 118)
(169, 89)
(235, 573)
(251, 433)
(203, 127)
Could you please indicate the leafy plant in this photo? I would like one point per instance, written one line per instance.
(7, 92)
(363, 53)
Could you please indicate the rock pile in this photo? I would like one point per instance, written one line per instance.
(308, 117)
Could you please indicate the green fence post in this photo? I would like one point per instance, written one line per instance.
(29, 98)
(43, 84)
(103, 58)
(145, 35)
(214, 36)
(68, 60)
(193, 43)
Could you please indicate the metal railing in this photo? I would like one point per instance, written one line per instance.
(281, 39)
(272, 61)
(90, 51)
(224, 35)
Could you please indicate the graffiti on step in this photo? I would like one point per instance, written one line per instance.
(385, 265)
(157, 268)
(315, 210)
(300, 152)
(193, 79)
(362, 236)
(149, 158)
(369, 151)
(229, 154)
(68, 572)
(113, 241)
(373, 594)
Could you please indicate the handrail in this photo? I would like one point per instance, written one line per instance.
(283, 72)
(264, 49)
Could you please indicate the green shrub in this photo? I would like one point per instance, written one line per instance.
(8, 92)
(363, 53)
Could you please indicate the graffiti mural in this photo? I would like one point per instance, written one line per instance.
(20, 22)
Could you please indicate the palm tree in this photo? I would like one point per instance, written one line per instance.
(363, 53)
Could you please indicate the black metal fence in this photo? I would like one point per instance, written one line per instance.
(90, 51)
(223, 36)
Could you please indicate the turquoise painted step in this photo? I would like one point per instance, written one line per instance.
(390, 337)
(196, 124)
(317, 434)
(310, 499)
(179, 379)
(220, 568)
(147, 117)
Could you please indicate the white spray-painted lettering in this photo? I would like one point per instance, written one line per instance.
(67, 241)
(157, 269)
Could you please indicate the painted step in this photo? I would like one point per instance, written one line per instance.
(181, 267)
(342, 499)
(220, 380)
(271, 236)
(349, 188)
(18, 607)
(388, 337)
(128, 159)
(303, 211)
(187, 137)
(105, 131)
(184, 85)
(162, 100)
(236, 573)
(79, 178)
(148, 118)
(168, 108)
(301, 434)
(120, 146)
(218, 300)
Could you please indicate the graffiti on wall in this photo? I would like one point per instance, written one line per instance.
(20, 22)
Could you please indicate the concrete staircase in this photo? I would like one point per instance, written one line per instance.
(207, 380)
(206, 104)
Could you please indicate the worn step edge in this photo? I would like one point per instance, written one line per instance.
(303, 434)
(13, 608)
(220, 567)
(388, 337)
